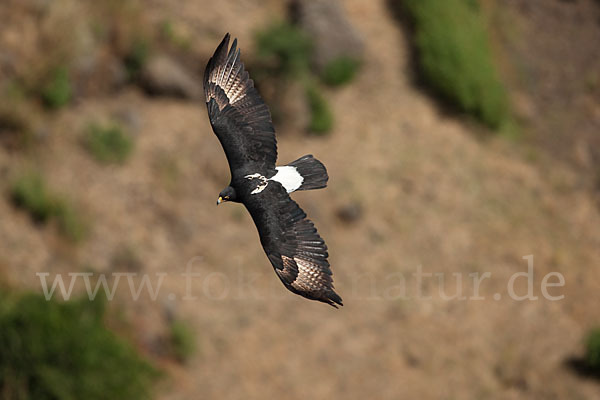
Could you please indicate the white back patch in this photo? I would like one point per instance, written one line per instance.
(289, 177)
(262, 186)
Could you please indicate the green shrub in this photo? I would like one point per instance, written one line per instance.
(286, 46)
(340, 71)
(173, 36)
(30, 193)
(136, 57)
(321, 117)
(183, 341)
(284, 51)
(70, 223)
(167, 30)
(592, 350)
(63, 351)
(57, 91)
(108, 143)
(455, 59)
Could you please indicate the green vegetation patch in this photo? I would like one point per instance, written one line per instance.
(183, 341)
(30, 193)
(70, 223)
(592, 350)
(321, 116)
(284, 51)
(286, 46)
(340, 71)
(108, 143)
(174, 36)
(455, 59)
(57, 90)
(136, 57)
(63, 351)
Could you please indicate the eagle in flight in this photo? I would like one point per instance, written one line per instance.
(242, 123)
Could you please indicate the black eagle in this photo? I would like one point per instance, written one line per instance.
(242, 122)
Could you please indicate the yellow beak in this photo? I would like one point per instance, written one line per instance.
(219, 200)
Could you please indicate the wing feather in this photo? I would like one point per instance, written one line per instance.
(293, 245)
(238, 115)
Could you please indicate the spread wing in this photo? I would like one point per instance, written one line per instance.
(293, 245)
(239, 117)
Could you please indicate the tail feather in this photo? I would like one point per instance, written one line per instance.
(312, 170)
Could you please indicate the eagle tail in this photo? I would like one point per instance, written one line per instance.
(312, 171)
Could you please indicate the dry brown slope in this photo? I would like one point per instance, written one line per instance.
(433, 196)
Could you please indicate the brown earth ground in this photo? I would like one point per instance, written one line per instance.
(432, 194)
(555, 61)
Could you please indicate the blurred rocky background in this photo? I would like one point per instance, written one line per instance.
(460, 136)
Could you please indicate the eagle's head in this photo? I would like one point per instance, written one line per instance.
(227, 194)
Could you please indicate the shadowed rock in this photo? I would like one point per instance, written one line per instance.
(162, 76)
(326, 23)
(350, 213)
